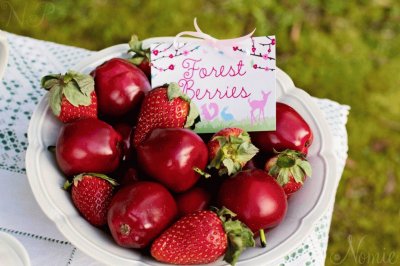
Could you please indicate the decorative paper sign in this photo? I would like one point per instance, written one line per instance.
(232, 85)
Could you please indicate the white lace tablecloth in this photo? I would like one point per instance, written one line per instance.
(22, 217)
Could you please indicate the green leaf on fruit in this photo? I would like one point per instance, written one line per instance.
(229, 165)
(239, 236)
(283, 176)
(105, 177)
(193, 116)
(305, 166)
(47, 82)
(136, 46)
(174, 91)
(297, 173)
(55, 98)
(217, 160)
(85, 83)
(75, 96)
(246, 152)
(76, 87)
(136, 59)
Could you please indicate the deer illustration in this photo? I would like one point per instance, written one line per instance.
(258, 105)
(205, 110)
(225, 115)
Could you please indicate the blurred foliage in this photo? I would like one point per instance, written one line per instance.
(347, 51)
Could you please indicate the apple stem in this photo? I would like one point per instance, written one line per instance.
(263, 241)
(201, 172)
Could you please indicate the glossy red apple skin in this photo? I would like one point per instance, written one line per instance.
(169, 156)
(120, 87)
(195, 199)
(88, 145)
(139, 212)
(257, 199)
(292, 132)
(125, 130)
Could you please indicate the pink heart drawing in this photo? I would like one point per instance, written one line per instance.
(205, 111)
(155, 52)
(235, 48)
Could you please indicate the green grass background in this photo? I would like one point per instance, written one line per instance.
(347, 51)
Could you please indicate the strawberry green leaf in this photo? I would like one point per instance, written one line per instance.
(285, 161)
(274, 171)
(174, 91)
(305, 166)
(75, 96)
(79, 177)
(105, 177)
(67, 77)
(74, 86)
(140, 54)
(85, 83)
(283, 176)
(229, 165)
(239, 235)
(67, 185)
(217, 160)
(225, 213)
(221, 140)
(297, 173)
(245, 136)
(233, 153)
(246, 152)
(55, 98)
(290, 163)
(47, 82)
(136, 46)
(136, 60)
(236, 140)
(193, 116)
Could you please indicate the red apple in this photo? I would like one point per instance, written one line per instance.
(88, 145)
(139, 212)
(171, 156)
(120, 87)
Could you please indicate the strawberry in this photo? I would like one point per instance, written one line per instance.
(91, 194)
(202, 237)
(290, 168)
(164, 107)
(72, 95)
(229, 150)
(141, 58)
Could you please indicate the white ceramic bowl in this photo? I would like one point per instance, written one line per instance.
(305, 207)
(12, 252)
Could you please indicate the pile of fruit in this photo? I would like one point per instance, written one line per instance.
(136, 169)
